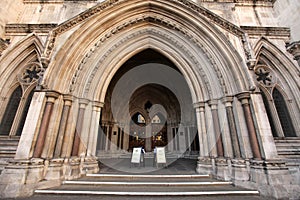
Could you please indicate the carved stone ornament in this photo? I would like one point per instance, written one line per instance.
(32, 73)
(264, 76)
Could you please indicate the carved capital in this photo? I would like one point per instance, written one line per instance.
(227, 101)
(199, 104)
(52, 96)
(243, 97)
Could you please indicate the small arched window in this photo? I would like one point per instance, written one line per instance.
(270, 116)
(283, 114)
(24, 113)
(10, 111)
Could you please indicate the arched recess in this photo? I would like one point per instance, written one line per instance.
(279, 73)
(22, 69)
(196, 46)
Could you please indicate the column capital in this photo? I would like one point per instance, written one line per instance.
(199, 104)
(68, 97)
(98, 104)
(52, 96)
(243, 97)
(227, 101)
(213, 104)
(83, 102)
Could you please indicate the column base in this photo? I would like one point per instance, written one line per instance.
(71, 168)
(240, 170)
(223, 169)
(90, 165)
(204, 165)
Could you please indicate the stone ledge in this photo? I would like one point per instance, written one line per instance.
(267, 31)
(52, 1)
(243, 2)
(24, 29)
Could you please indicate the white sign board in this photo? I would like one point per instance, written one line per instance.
(136, 155)
(160, 155)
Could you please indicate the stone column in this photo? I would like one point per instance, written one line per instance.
(232, 127)
(294, 49)
(90, 164)
(79, 123)
(63, 125)
(204, 163)
(219, 143)
(93, 138)
(51, 97)
(201, 130)
(244, 98)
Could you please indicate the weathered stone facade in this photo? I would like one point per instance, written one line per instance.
(61, 61)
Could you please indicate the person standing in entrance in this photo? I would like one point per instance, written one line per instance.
(154, 157)
(143, 156)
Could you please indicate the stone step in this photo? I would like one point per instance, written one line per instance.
(7, 138)
(8, 148)
(147, 185)
(288, 140)
(146, 193)
(9, 143)
(145, 177)
(288, 148)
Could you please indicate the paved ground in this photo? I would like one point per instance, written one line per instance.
(84, 197)
(123, 166)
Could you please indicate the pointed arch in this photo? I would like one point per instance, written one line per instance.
(268, 54)
(16, 59)
(283, 113)
(284, 83)
(10, 111)
(203, 52)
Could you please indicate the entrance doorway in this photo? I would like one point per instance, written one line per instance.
(151, 114)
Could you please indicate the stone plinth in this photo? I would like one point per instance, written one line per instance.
(240, 170)
(20, 178)
(223, 169)
(90, 165)
(54, 169)
(71, 168)
(272, 178)
(204, 165)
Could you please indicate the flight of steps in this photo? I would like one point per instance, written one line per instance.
(147, 185)
(288, 148)
(8, 148)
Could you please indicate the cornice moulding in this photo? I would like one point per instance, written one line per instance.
(24, 29)
(267, 31)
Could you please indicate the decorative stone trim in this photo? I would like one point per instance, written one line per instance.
(212, 17)
(42, 1)
(243, 2)
(149, 30)
(24, 29)
(267, 31)
(3, 45)
(52, 1)
(294, 49)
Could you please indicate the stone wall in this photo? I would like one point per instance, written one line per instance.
(288, 14)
